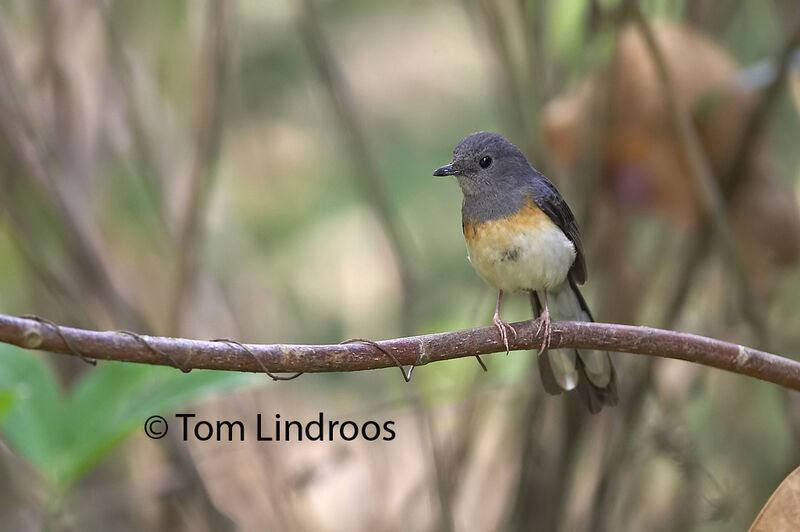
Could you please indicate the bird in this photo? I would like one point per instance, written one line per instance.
(522, 236)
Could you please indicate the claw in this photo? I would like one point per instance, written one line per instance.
(544, 324)
(502, 328)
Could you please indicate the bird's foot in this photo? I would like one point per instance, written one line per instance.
(544, 325)
(503, 328)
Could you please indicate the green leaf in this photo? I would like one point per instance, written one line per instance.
(7, 398)
(63, 435)
(34, 426)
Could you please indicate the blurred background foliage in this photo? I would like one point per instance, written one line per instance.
(262, 171)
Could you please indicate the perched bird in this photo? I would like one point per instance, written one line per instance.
(521, 235)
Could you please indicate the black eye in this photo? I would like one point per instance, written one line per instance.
(485, 161)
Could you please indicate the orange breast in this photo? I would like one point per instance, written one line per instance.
(524, 251)
(502, 230)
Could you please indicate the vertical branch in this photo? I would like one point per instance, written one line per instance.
(149, 170)
(28, 153)
(758, 117)
(521, 75)
(701, 175)
(733, 177)
(366, 170)
(537, 81)
(207, 143)
(513, 104)
(696, 249)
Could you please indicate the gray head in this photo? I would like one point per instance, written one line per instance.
(487, 163)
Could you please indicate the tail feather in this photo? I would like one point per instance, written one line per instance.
(590, 371)
(595, 397)
(548, 377)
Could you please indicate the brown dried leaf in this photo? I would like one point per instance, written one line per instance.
(782, 511)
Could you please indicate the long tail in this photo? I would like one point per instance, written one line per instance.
(590, 371)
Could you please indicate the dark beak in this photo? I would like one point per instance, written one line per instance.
(446, 170)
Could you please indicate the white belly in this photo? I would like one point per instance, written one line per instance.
(536, 258)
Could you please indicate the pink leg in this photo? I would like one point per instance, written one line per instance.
(544, 323)
(502, 327)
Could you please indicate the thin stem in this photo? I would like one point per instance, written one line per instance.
(207, 144)
(702, 175)
(366, 173)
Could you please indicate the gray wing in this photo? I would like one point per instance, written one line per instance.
(547, 198)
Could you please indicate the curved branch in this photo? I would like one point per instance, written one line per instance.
(36, 333)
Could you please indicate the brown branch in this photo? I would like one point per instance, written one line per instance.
(735, 174)
(207, 145)
(702, 175)
(36, 333)
(366, 172)
(144, 137)
(510, 93)
(756, 122)
(29, 151)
